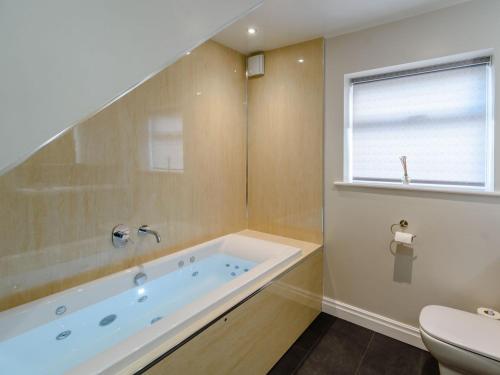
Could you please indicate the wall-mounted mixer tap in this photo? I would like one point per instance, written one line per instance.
(145, 229)
(120, 236)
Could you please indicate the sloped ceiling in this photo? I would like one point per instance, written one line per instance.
(284, 22)
(63, 60)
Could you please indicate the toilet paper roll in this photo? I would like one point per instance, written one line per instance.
(404, 238)
(490, 313)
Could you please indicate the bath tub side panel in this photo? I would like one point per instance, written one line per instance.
(252, 338)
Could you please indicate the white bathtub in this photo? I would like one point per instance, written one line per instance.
(103, 325)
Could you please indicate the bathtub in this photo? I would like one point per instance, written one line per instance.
(101, 326)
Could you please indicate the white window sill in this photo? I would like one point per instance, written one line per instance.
(425, 188)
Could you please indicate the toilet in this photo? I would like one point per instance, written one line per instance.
(462, 342)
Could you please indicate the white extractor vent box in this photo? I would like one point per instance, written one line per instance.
(255, 65)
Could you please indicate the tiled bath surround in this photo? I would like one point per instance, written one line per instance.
(171, 154)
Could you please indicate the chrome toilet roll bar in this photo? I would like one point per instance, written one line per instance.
(403, 224)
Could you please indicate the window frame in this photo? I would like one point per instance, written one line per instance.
(490, 123)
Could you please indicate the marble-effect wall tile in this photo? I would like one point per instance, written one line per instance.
(285, 143)
(171, 154)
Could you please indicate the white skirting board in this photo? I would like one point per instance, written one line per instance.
(378, 323)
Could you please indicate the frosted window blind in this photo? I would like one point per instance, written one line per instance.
(436, 116)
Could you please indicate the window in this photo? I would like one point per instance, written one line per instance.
(438, 116)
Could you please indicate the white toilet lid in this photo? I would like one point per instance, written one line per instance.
(462, 329)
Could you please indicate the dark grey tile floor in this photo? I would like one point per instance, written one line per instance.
(334, 346)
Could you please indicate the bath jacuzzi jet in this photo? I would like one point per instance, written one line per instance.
(63, 335)
(154, 320)
(107, 320)
(61, 310)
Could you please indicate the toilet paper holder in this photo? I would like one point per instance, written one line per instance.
(402, 224)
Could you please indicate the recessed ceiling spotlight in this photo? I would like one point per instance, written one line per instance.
(251, 30)
(300, 61)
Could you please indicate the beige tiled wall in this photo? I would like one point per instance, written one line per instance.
(171, 154)
(455, 260)
(285, 124)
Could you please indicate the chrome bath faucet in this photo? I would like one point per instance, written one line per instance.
(145, 229)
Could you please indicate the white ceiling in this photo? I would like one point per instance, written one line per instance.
(63, 60)
(284, 22)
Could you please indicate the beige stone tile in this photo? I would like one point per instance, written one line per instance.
(162, 155)
(285, 145)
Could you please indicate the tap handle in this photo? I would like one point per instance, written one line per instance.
(144, 228)
(120, 236)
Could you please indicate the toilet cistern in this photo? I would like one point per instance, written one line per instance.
(145, 229)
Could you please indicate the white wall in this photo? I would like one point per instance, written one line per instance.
(458, 248)
(62, 60)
